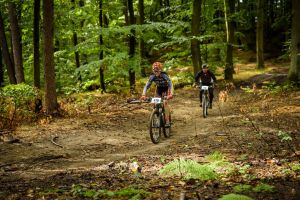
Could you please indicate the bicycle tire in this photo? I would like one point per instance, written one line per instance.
(155, 127)
(167, 130)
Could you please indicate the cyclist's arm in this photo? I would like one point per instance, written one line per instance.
(170, 84)
(198, 75)
(213, 76)
(148, 85)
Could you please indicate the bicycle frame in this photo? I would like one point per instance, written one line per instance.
(157, 120)
(205, 99)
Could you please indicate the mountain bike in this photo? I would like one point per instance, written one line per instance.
(157, 122)
(205, 99)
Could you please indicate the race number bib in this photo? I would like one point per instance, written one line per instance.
(156, 100)
(204, 87)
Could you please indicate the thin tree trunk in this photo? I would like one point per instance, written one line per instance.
(16, 43)
(102, 82)
(294, 71)
(260, 35)
(36, 44)
(77, 60)
(50, 89)
(75, 43)
(195, 43)
(131, 46)
(6, 54)
(167, 6)
(229, 70)
(142, 43)
(1, 70)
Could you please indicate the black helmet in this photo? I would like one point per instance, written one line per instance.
(204, 66)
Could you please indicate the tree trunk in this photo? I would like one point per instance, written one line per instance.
(50, 89)
(102, 82)
(142, 43)
(36, 44)
(167, 6)
(229, 70)
(131, 46)
(294, 71)
(260, 35)
(16, 43)
(6, 54)
(1, 70)
(195, 43)
(75, 43)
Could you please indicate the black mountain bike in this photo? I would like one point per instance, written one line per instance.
(205, 99)
(157, 122)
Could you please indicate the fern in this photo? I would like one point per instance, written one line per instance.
(189, 169)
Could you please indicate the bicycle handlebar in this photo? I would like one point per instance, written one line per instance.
(147, 100)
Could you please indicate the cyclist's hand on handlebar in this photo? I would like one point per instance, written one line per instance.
(169, 97)
(143, 98)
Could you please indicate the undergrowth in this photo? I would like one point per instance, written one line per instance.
(216, 167)
(128, 193)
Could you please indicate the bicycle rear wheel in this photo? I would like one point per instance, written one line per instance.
(154, 127)
(167, 130)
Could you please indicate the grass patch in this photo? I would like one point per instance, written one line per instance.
(262, 187)
(128, 193)
(295, 167)
(235, 197)
(189, 169)
(242, 188)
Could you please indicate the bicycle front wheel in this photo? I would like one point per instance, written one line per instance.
(154, 127)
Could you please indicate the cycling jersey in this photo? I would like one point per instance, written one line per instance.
(205, 78)
(163, 84)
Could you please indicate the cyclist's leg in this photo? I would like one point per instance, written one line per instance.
(200, 96)
(211, 95)
(166, 107)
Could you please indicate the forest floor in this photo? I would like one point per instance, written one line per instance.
(256, 131)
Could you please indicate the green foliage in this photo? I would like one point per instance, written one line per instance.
(130, 193)
(188, 169)
(215, 157)
(247, 89)
(295, 167)
(262, 187)
(17, 103)
(19, 94)
(284, 137)
(242, 188)
(234, 197)
(274, 88)
(89, 85)
(244, 169)
(51, 191)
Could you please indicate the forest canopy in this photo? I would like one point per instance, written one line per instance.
(107, 45)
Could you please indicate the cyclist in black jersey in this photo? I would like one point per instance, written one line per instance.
(206, 77)
(164, 87)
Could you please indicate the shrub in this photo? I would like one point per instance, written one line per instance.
(18, 103)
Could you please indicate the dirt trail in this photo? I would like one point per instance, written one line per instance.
(117, 135)
(93, 140)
